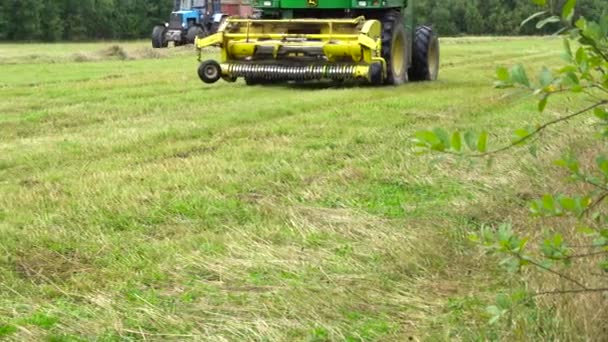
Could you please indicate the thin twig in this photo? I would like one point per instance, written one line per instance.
(556, 292)
(601, 88)
(540, 129)
(591, 182)
(587, 254)
(596, 203)
(599, 274)
(587, 246)
(561, 275)
(595, 47)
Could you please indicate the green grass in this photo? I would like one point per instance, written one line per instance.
(138, 203)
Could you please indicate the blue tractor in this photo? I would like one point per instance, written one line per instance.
(189, 19)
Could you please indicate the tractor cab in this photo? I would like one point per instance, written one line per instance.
(189, 19)
(185, 14)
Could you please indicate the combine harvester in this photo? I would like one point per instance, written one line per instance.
(301, 40)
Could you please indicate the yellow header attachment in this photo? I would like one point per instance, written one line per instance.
(301, 44)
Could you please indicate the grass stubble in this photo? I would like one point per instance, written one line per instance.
(138, 204)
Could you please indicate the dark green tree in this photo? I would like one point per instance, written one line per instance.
(3, 19)
(24, 19)
(51, 23)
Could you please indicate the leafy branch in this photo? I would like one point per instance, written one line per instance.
(585, 74)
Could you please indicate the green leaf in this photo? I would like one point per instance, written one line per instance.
(474, 238)
(568, 10)
(581, 56)
(495, 313)
(602, 164)
(482, 142)
(604, 25)
(532, 17)
(552, 19)
(586, 230)
(548, 203)
(568, 203)
(546, 77)
(503, 301)
(601, 113)
(570, 79)
(502, 74)
(542, 104)
(470, 138)
(522, 244)
(600, 241)
(569, 162)
(427, 139)
(456, 141)
(519, 134)
(519, 75)
(443, 137)
(567, 49)
(558, 240)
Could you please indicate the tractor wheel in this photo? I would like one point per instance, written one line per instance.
(425, 59)
(394, 48)
(158, 37)
(195, 31)
(210, 71)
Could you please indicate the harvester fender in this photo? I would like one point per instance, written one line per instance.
(371, 35)
(212, 40)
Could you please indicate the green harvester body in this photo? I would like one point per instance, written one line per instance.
(374, 41)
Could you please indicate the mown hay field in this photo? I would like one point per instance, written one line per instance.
(137, 203)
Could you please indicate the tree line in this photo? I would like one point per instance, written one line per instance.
(495, 17)
(55, 20)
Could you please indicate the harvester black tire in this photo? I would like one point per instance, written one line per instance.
(196, 31)
(375, 74)
(393, 32)
(425, 58)
(210, 71)
(158, 37)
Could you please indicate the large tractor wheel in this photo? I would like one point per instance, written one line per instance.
(158, 37)
(425, 59)
(394, 48)
(195, 31)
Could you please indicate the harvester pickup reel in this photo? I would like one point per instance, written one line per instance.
(276, 50)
